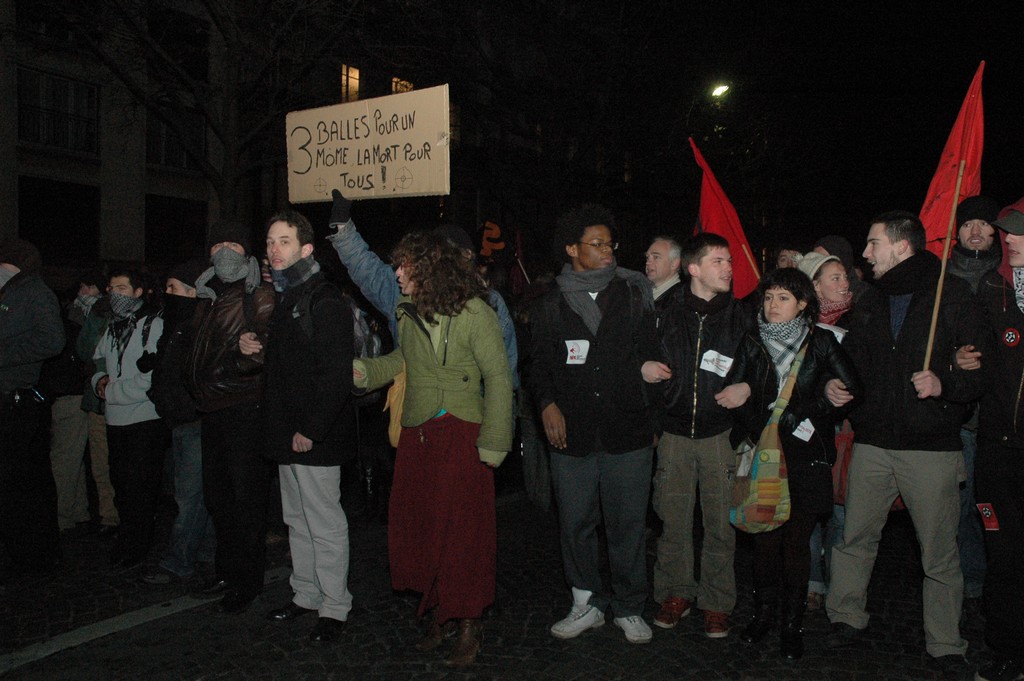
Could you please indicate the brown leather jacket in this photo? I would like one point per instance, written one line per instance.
(216, 372)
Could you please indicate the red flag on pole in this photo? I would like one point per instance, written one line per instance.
(718, 216)
(965, 142)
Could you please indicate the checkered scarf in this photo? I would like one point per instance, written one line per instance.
(783, 341)
(1018, 286)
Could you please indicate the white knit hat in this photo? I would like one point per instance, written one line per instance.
(810, 263)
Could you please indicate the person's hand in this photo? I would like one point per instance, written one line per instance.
(340, 210)
(101, 387)
(836, 393)
(655, 372)
(733, 396)
(554, 425)
(249, 344)
(927, 384)
(968, 359)
(301, 443)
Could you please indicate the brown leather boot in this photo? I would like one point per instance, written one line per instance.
(436, 634)
(467, 645)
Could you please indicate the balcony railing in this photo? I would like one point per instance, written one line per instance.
(58, 129)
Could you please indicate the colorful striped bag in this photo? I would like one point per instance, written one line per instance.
(760, 494)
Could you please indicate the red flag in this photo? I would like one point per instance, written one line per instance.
(717, 216)
(965, 143)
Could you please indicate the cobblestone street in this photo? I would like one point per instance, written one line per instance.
(87, 621)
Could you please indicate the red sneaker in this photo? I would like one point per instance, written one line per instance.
(716, 624)
(672, 610)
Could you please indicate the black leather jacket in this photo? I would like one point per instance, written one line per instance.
(1002, 361)
(692, 328)
(824, 360)
(808, 462)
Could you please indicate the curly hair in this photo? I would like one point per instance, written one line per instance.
(445, 279)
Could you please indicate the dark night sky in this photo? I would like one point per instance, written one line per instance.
(860, 99)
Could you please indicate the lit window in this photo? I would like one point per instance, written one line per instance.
(349, 83)
(399, 85)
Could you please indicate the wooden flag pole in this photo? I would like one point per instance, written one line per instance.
(750, 259)
(942, 272)
(523, 270)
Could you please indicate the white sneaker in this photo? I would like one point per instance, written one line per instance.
(581, 618)
(635, 628)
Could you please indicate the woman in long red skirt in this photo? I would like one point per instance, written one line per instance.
(456, 427)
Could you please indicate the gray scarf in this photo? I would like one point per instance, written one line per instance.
(576, 288)
(783, 341)
(229, 269)
(5, 276)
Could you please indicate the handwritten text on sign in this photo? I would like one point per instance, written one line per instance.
(384, 147)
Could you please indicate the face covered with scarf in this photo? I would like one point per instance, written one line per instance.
(124, 298)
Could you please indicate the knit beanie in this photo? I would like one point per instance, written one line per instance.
(810, 263)
(21, 254)
(231, 231)
(839, 247)
(976, 208)
(458, 236)
(187, 272)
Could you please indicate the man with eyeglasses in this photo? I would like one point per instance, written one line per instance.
(591, 336)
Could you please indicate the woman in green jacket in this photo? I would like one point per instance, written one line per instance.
(456, 427)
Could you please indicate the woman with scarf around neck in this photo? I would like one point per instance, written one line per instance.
(456, 427)
(136, 435)
(830, 279)
(765, 356)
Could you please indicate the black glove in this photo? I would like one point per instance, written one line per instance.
(340, 209)
(147, 362)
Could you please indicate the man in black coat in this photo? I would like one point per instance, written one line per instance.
(307, 426)
(700, 332)
(30, 332)
(591, 336)
(661, 265)
(192, 534)
(907, 431)
(998, 471)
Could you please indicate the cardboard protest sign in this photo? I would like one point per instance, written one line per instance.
(384, 147)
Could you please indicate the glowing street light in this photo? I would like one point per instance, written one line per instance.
(719, 90)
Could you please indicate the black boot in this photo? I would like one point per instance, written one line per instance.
(792, 637)
(764, 614)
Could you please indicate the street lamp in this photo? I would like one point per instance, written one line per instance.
(719, 90)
